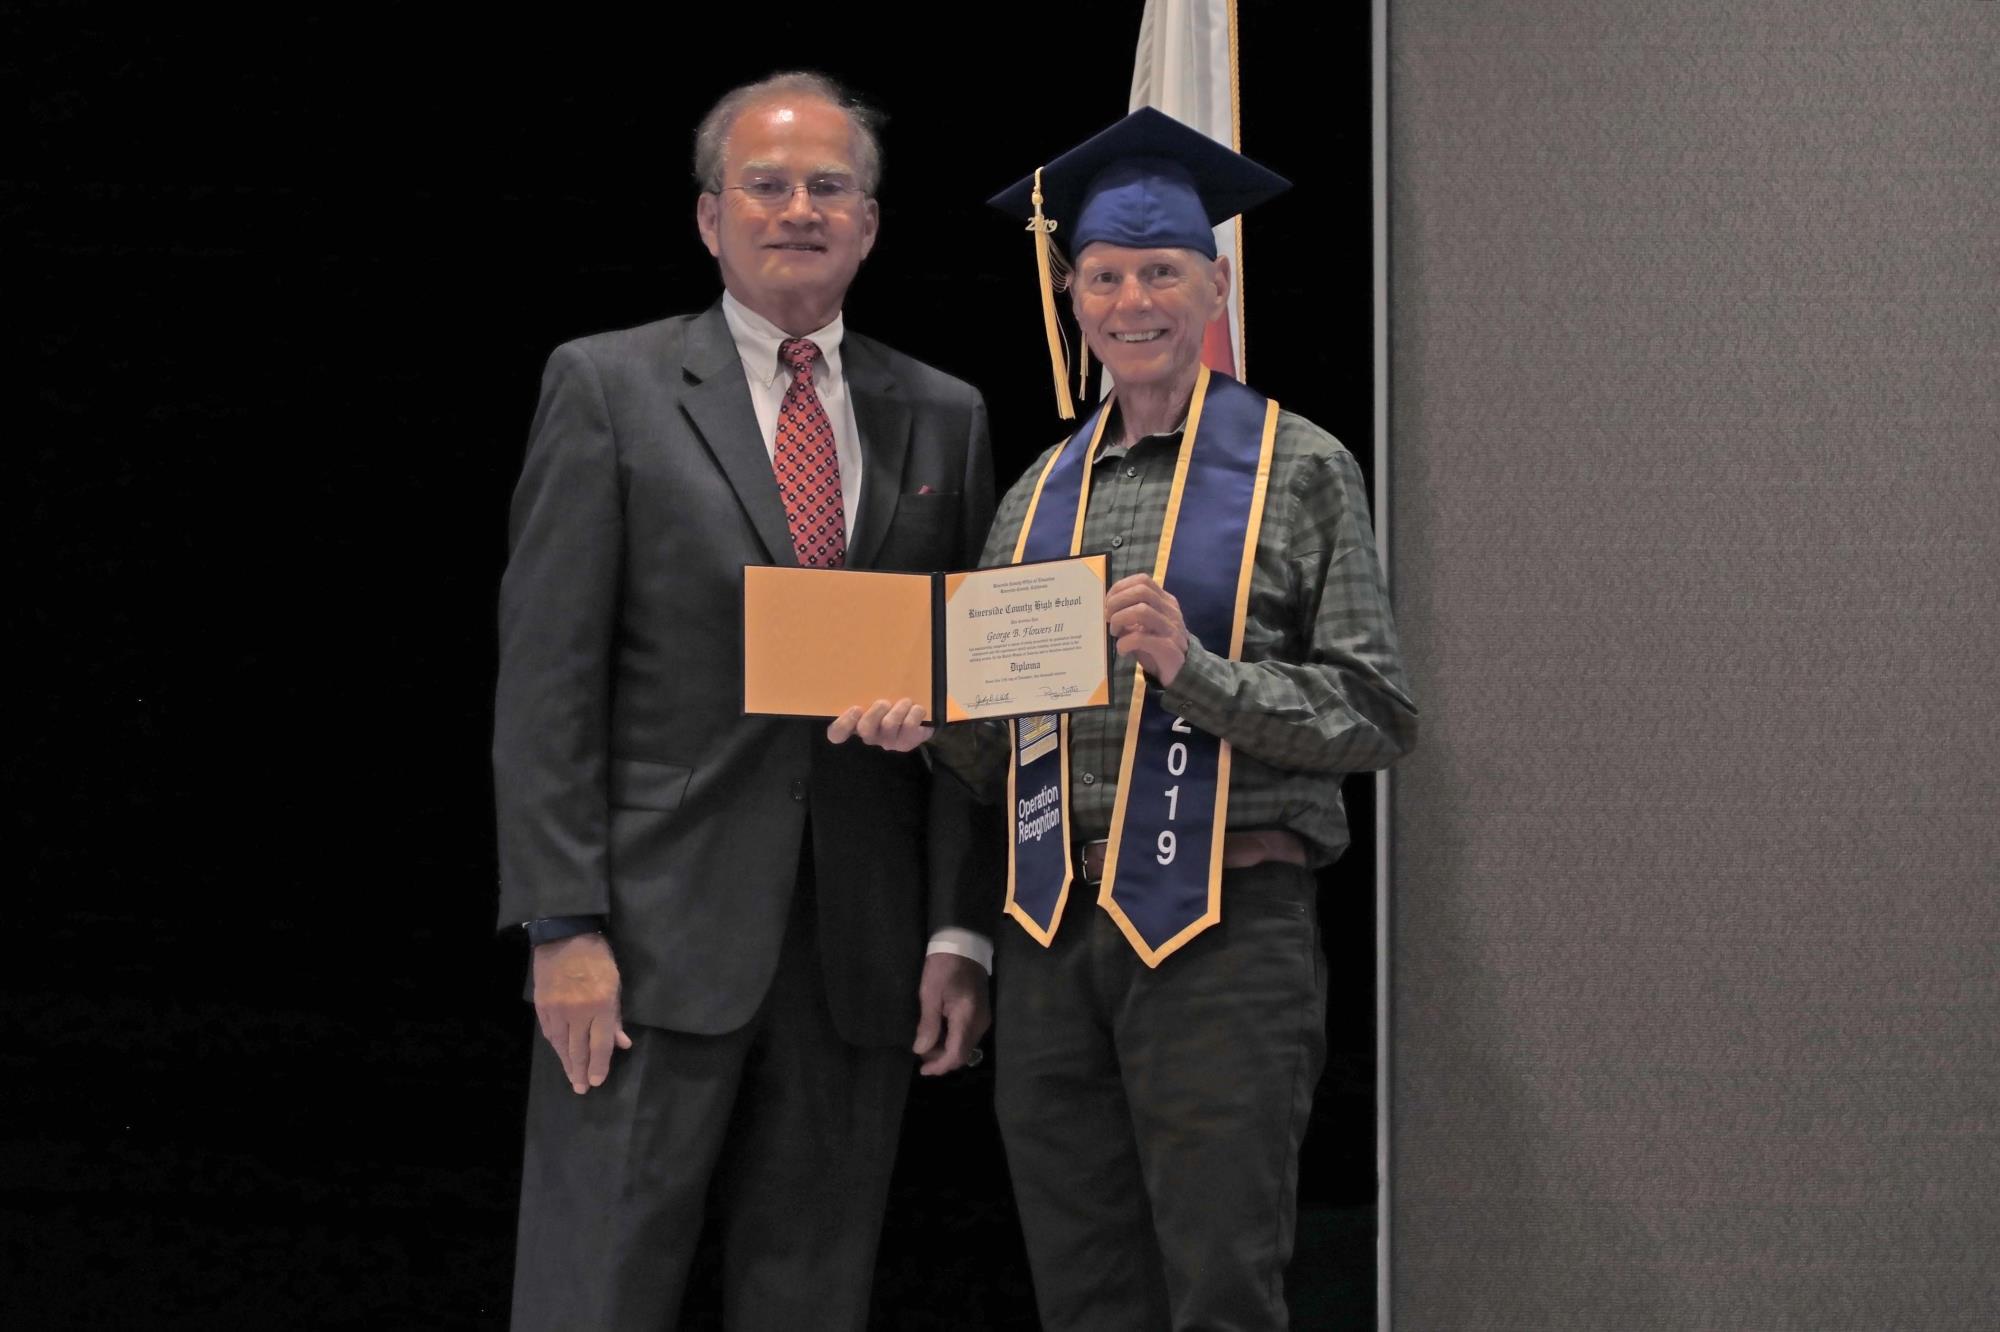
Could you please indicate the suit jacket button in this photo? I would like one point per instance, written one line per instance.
(798, 790)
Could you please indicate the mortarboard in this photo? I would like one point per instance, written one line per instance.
(1146, 182)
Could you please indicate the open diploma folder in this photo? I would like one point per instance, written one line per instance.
(1004, 642)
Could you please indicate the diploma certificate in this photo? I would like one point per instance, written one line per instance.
(1026, 638)
(987, 643)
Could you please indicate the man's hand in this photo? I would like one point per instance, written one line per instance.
(576, 998)
(952, 1012)
(897, 726)
(1146, 620)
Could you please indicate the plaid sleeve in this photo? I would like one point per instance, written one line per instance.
(1338, 699)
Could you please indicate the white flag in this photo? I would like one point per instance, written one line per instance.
(1187, 68)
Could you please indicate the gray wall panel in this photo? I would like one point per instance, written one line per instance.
(1695, 423)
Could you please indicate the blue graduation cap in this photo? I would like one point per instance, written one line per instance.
(1146, 182)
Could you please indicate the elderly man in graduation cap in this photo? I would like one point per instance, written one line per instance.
(1159, 1041)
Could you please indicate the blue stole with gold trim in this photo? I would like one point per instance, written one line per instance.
(1039, 865)
(1163, 868)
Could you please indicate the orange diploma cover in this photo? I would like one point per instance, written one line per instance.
(1001, 642)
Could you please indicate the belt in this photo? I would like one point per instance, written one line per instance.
(1240, 850)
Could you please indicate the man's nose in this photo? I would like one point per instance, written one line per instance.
(1134, 294)
(800, 206)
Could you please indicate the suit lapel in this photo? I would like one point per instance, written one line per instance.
(883, 418)
(717, 402)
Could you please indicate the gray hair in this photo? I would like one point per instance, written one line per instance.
(711, 137)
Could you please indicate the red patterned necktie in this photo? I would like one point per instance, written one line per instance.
(807, 468)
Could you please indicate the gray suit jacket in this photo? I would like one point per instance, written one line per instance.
(629, 783)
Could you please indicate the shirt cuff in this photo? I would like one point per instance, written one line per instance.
(548, 929)
(1200, 691)
(965, 943)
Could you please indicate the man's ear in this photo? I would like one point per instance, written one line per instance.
(1222, 277)
(707, 220)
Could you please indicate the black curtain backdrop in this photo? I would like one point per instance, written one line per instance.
(280, 286)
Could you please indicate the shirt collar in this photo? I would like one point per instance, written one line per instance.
(1169, 438)
(758, 339)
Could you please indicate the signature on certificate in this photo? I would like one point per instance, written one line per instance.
(1069, 690)
(991, 700)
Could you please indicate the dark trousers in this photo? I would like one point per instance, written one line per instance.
(1152, 1117)
(783, 1129)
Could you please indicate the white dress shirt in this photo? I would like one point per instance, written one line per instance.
(757, 342)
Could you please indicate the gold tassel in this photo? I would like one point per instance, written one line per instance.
(1082, 371)
(1046, 262)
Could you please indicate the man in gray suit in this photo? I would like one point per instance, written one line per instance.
(737, 927)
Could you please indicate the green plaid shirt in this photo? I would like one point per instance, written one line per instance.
(1320, 690)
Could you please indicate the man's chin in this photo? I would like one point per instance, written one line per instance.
(803, 274)
(782, 259)
(1135, 370)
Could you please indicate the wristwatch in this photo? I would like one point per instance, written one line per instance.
(548, 929)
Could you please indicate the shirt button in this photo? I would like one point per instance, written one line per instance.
(1131, 471)
(1116, 542)
(1089, 779)
(798, 790)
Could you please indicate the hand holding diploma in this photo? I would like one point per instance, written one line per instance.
(900, 726)
(1145, 619)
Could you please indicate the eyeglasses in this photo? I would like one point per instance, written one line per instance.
(824, 191)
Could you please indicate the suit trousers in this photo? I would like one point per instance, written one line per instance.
(1152, 1117)
(781, 1134)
